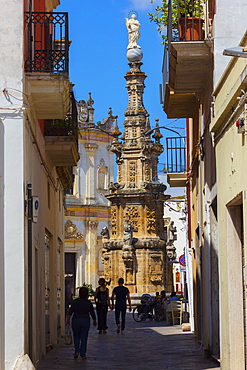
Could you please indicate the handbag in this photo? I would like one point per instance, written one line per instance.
(68, 336)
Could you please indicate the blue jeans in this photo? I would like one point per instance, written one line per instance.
(117, 316)
(80, 329)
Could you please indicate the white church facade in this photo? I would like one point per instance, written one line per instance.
(87, 209)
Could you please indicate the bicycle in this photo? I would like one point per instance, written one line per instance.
(143, 312)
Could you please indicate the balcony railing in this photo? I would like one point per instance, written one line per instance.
(175, 154)
(47, 42)
(66, 127)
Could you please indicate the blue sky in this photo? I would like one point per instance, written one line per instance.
(98, 60)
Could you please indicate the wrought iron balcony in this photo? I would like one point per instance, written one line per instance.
(61, 137)
(64, 127)
(47, 42)
(175, 154)
(176, 161)
(47, 64)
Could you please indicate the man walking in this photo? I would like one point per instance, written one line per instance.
(121, 293)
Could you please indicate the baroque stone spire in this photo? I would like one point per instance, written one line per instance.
(135, 203)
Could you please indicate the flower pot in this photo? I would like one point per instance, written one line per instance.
(190, 29)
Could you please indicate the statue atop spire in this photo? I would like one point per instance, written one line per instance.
(133, 27)
(134, 53)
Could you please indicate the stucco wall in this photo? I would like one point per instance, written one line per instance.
(228, 29)
(232, 179)
(11, 77)
(2, 311)
(22, 165)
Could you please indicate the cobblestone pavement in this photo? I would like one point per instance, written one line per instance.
(144, 345)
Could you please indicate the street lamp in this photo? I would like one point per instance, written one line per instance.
(237, 51)
(156, 187)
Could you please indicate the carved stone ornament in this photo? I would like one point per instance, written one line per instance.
(151, 221)
(114, 220)
(90, 147)
(115, 186)
(106, 260)
(171, 252)
(155, 267)
(132, 172)
(71, 231)
(92, 225)
(82, 110)
(128, 258)
(132, 215)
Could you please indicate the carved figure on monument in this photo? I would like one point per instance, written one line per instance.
(172, 233)
(133, 27)
(128, 234)
(129, 253)
(171, 237)
(105, 233)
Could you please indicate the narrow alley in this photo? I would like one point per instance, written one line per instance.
(144, 345)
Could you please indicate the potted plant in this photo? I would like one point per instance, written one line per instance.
(186, 19)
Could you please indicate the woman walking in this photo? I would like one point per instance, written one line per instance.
(81, 308)
(102, 301)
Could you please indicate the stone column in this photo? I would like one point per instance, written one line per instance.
(79, 272)
(91, 227)
(91, 150)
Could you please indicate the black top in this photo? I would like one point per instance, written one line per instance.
(81, 308)
(121, 293)
(101, 297)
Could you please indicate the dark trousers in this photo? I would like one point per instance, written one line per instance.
(80, 329)
(102, 316)
(117, 316)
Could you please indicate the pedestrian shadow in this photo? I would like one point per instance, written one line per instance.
(142, 346)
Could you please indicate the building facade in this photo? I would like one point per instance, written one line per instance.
(87, 209)
(192, 82)
(38, 149)
(229, 129)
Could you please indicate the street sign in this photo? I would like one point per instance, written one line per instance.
(35, 201)
(182, 260)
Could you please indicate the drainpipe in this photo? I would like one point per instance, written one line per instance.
(30, 288)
